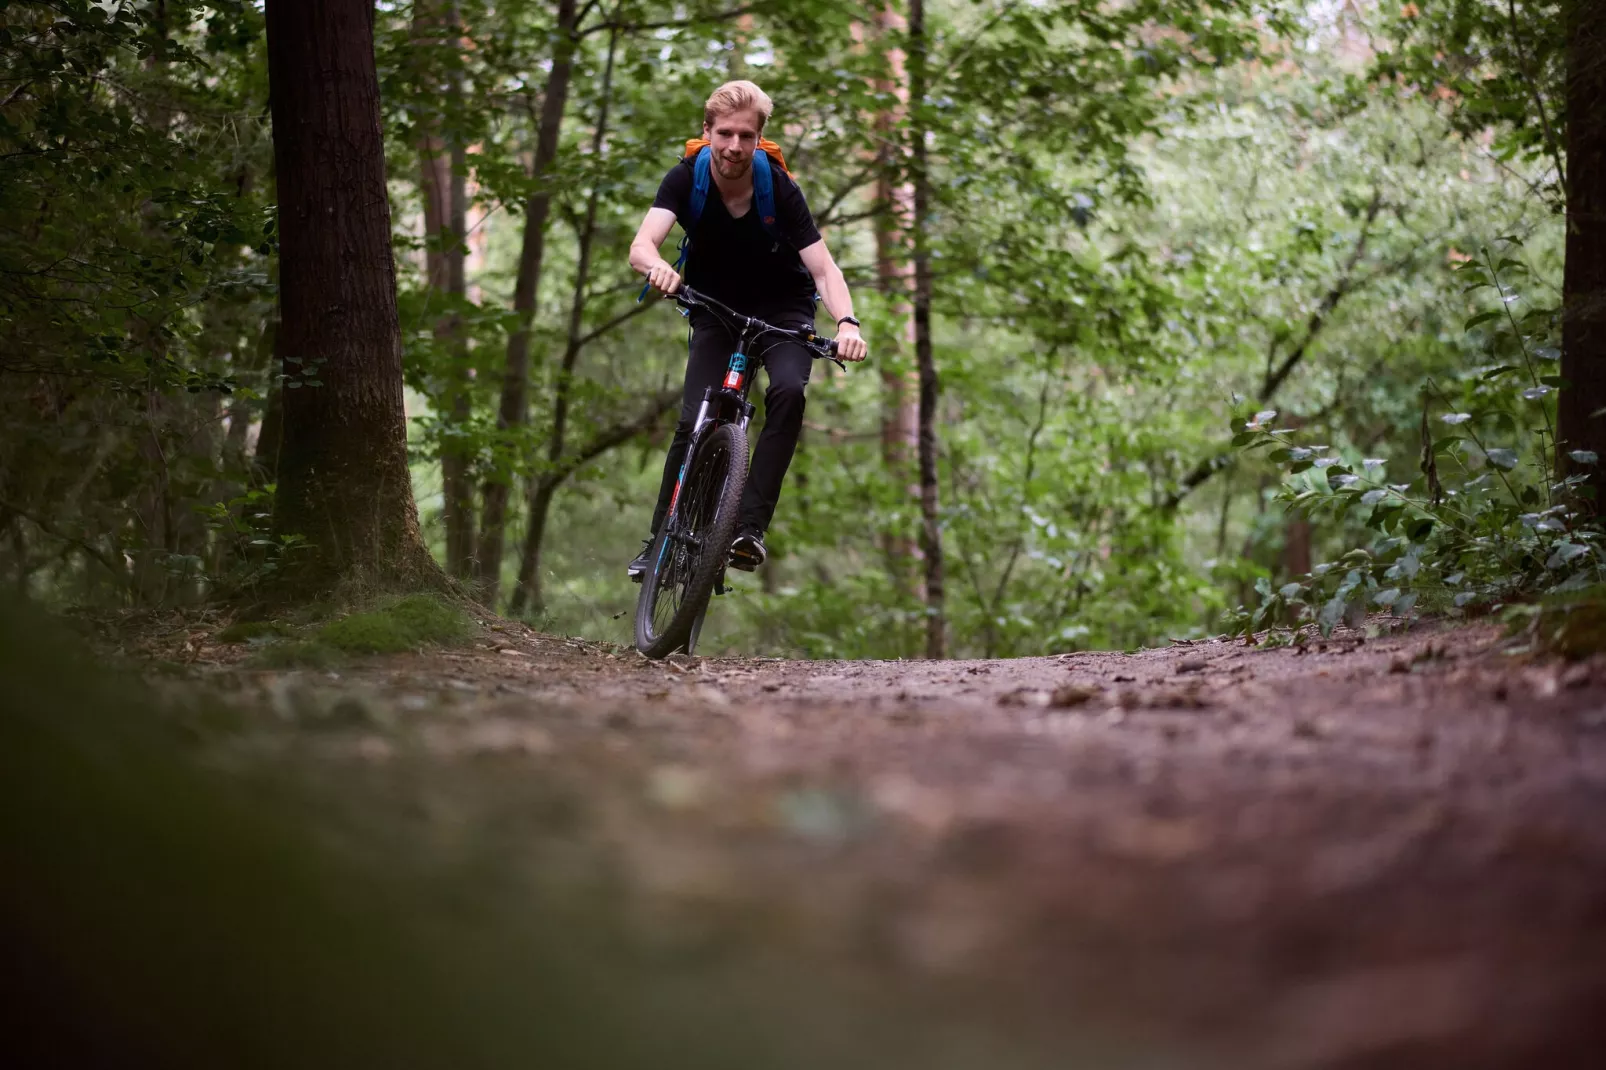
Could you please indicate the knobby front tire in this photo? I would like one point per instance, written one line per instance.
(682, 571)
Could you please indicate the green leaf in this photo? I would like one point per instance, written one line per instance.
(1565, 552)
(1332, 613)
(1481, 318)
(1584, 456)
(1502, 458)
(1355, 612)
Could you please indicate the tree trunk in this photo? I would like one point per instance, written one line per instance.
(900, 411)
(456, 476)
(443, 167)
(516, 380)
(543, 487)
(736, 62)
(1583, 332)
(920, 178)
(343, 478)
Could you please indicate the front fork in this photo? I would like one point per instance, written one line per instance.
(735, 387)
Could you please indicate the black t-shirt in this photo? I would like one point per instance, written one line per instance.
(736, 260)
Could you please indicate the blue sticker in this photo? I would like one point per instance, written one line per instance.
(739, 362)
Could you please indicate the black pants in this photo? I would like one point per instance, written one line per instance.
(787, 365)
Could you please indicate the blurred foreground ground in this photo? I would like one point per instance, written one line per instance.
(1370, 853)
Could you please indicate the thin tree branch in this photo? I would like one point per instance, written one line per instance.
(1539, 100)
(1276, 376)
(617, 321)
(674, 24)
(45, 527)
(607, 439)
(1026, 486)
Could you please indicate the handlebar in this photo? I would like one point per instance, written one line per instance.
(688, 299)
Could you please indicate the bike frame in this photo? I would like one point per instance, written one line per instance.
(700, 552)
(728, 402)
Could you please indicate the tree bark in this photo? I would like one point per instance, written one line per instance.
(920, 179)
(443, 178)
(513, 410)
(1583, 331)
(343, 480)
(894, 205)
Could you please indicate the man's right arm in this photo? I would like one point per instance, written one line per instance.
(644, 255)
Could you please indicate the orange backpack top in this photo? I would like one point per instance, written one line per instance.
(770, 148)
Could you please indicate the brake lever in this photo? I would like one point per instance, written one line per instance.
(829, 346)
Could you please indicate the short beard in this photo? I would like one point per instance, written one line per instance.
(724, 165)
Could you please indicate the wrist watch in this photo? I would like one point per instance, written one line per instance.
(847, 319)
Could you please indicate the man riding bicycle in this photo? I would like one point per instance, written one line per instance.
(770, 267)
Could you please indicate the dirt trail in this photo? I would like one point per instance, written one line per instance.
(1386, 852)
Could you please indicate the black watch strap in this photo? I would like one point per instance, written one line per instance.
(847, 319)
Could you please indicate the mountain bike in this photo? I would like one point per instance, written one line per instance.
(691, 552)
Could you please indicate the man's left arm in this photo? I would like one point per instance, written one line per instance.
(838, 301)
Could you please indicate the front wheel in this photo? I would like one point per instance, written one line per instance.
(694, 545)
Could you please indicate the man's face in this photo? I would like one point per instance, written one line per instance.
(733, 136)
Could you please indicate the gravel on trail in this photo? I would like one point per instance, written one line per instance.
(1378, 852)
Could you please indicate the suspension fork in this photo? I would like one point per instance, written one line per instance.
(692, 442)
(739, 380)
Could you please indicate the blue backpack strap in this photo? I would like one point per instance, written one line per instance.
(701, 179)
(764, 195)
(764, 192)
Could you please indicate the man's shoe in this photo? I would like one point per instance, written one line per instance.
(638, 568)
(747, 552)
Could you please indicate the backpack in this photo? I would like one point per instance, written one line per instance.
(767, 155)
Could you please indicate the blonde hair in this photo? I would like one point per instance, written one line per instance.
(738, 96)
